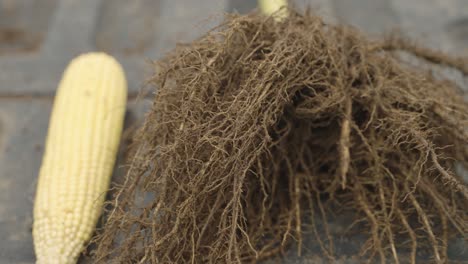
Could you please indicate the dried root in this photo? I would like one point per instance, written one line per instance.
(261, 128)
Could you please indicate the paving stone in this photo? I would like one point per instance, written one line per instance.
(372, 16)
(87, 25)
(241, 6)
(24, 129)
(23, 24)
(183, 21)
(131, 31)
(324, 8)
(428, 20)
(458, 32)
(72, 28)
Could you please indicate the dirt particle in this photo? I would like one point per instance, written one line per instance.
(1, 134)
(38, 147)
(13, 40)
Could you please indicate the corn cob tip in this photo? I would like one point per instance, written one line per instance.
(96, 58)
(94, 55)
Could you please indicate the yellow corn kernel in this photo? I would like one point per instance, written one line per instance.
(82, 143)
(268, 7)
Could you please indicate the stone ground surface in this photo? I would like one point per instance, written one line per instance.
(38, 38)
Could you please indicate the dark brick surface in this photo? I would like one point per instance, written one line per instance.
(51, 32)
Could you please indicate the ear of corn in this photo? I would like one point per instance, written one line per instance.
(269, 7)
(82, 143)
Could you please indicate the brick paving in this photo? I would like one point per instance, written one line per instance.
(54, 31)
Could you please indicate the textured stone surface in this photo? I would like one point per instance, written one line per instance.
(51, 32)
(372, 16)
(25, 125)
(430, 21)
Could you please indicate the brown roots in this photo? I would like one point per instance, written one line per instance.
(260, 129)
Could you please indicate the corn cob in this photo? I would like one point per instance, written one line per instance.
(268, 7)
(82, 143)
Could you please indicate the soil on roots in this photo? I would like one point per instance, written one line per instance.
(260, 127)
